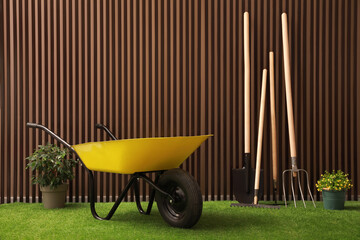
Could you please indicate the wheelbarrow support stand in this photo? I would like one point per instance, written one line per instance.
(133, 181)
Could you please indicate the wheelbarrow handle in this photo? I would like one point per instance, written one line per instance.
(48, 131)
(32, 125)
(101, 126)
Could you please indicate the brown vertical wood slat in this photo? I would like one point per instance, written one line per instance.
(79, 95)
(234, 89)
(37, 79)
(16, 183)
(184, 70)
(197, 82)
(1, 101)
(352, 96)
(41, 59)
(19, 112)
(340, 85)
(178, 63)
(151, 61)
(202, 89)
(357, 183)
(86, 88)
(2, 80)
(210, 160)
(215, 97)
(168, 68)
(122, 71)
(307, 95)
(4, 150)
(11, 176)
(333, 94)
(190, 75)
(240, 106)
(152, 33)
(24, 143)
(55, 62)
(221, 96)
(104, 79)
(160, 61)
(345, 89)
(73, 81)
(111, 83)
(116, 70)
(30, 90)
(171, 78)
(314, 97)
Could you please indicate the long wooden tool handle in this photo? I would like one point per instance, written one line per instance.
(273, 119)
(260, 137)
(289, 103)
(247, 82)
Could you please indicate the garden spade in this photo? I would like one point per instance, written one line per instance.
(244, 178)
(256, 196)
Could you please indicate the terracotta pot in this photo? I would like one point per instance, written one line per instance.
(54, 198)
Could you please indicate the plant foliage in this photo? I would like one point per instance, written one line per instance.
(52, 165)
(336, 181)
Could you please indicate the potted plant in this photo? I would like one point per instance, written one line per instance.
(53, 170)
(333, 187)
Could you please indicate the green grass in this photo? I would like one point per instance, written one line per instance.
(218, 221)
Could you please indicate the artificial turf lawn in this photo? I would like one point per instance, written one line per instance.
(218, 221)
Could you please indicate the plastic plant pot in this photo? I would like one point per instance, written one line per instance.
(333, 200)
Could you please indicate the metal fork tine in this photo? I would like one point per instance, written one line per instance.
(291, 171)
(283, 181)
(301, 192)
(292, 188)
(308, 186)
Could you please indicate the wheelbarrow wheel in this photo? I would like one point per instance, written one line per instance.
(186, 209)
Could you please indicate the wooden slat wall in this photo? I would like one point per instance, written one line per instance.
(164, 68)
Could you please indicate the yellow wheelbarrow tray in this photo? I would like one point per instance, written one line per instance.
(177, 193)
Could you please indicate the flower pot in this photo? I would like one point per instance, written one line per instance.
(333, 200)
(54, 198)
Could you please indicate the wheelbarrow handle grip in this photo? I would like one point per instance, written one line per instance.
(32, 125)
(101, 126)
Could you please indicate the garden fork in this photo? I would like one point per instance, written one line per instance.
(295, 172)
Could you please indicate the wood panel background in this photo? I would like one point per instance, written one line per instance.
(165, 68)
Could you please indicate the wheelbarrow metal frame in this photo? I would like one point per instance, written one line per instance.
(134, 180)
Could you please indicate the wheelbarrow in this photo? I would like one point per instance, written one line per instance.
(176, 192)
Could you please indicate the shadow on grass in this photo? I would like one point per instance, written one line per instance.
(208, 221)
(352, 208)
(224, 221)
(230, 219)
(76, 206)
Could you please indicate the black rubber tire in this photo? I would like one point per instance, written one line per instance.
(185, 212)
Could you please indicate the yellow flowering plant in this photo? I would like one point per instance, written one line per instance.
(336, 181)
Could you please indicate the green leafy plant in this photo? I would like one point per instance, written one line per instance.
(336, 181)
(52, 165)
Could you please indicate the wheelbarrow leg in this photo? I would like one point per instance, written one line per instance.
(117, 203)
(151, 200)
(133, 180)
